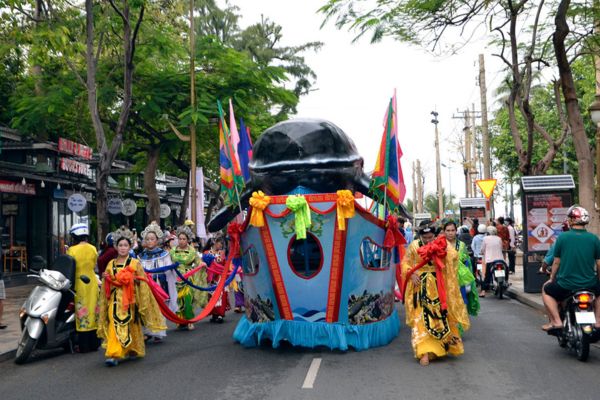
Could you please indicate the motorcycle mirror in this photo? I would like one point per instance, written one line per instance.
(37, 263)
(84, 279)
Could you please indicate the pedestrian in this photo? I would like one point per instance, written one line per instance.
(476, 247)
(2, 298)
(154, 257)
(126, 303)
(86, 294)
(408, 233)
(512, 244)
(474, 225)
(466, 279)
(503, 233)
(222, 305)
(108, 253)
(434, 331)
(491, 250)
(188, 298)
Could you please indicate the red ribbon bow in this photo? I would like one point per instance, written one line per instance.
(433, 251)
(393, 237)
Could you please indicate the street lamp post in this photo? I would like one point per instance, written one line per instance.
(438, 172)
(449, 185)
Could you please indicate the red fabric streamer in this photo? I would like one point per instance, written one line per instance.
(434, 251)
(124, 279)
(234, 230)
(393, 237)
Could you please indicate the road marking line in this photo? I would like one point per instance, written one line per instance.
(311, 375)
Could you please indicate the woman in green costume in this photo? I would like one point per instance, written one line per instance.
(466, 280)
(188, 298)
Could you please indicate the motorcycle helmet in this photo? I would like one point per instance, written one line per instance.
(109, 240)
(80, 229)
(578, 215)
(491, 230)
(481, 228)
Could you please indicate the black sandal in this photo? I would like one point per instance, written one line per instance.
(2, 326)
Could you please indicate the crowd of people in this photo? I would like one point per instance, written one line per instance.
(445, 270)
(121, 311)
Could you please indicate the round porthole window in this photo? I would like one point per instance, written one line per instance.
(305, 256)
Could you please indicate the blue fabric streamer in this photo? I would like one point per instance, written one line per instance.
(337, 335)
(209, 288)
(162, 269)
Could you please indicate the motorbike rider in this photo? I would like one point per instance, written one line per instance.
(576, 267)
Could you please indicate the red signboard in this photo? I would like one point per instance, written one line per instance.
(75, 149)
(545, 216)
(75, 167)
(17, 187)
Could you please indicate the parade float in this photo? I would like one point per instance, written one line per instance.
(318, 268)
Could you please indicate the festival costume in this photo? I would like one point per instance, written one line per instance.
(125, 304)
(466, 280)
(434, 330)
(188, 298)
(86, 295)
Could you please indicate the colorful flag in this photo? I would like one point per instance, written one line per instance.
(245, 150)
(232, 182)
(387, 181)
(234, 134)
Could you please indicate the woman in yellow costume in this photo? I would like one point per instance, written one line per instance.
(125, 303)
(434, 309)
(188, 258)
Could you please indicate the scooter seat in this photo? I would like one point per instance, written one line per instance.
(65, 265)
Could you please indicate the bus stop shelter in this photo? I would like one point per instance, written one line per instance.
(545, 201)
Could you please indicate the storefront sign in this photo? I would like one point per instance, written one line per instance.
(17, 187)
(115, 206)
(545, 216)
(76, 202)
(75, 167)
(129, 207)
(165, 210)
(76, 149)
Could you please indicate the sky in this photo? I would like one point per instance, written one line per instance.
(355, 82)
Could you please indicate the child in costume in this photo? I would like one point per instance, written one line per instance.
(125, 303)
(154, 257)
(188, 298)
(435, 330)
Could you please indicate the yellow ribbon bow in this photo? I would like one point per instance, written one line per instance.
(345, 207)
(259, 201)
(299, 206)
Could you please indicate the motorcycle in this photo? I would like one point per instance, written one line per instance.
(48, 315)
(577, 333)
(500, 274)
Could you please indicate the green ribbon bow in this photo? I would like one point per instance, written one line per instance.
(299, 205)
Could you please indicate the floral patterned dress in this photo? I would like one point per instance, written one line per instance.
(188, 298)
(86, 295)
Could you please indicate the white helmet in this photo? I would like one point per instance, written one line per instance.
(80, 229)
(578, 215)
(481, 228)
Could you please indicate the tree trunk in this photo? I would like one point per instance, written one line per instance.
(102, 204)
(580, 140)
(150, 184)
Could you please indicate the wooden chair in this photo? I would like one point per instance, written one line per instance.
(14, 253)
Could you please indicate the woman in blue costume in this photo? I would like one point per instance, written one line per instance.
(466, 280)
(155, 257)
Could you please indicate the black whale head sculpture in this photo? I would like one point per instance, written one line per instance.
(313, 153)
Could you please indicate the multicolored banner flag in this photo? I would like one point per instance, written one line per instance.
(387, 181)
(245, 150)
(232, 182)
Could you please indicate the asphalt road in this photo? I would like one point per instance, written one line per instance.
(507, 357)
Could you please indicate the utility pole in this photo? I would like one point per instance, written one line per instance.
(414, 182)
(419, 187)
(474, 151)
(485, 135)
(438, 168)
(193, 106)
(467, 166)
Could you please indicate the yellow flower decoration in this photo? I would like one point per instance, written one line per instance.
(345, 207)
(259, 201)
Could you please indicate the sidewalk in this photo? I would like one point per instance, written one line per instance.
(516, 291)
(9, 337)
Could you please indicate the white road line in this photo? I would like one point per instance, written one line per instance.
(311, 375)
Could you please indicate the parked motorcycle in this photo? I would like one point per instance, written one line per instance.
(500, 278)
(577, 333)
(48, 315)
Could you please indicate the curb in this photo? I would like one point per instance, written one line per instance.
(9, 355)
(515, 294)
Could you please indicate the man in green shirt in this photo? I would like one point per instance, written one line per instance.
(576, 267)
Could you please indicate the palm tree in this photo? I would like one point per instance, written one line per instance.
(430, 204)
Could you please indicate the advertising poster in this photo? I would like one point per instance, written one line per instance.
(545, 215)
